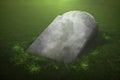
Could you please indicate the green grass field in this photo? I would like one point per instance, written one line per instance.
(21, 21)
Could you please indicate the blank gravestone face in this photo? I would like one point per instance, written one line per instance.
(65, 37)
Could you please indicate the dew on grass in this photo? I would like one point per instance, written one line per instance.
(106, 36)
(56, 67)
(74, 67)
(84, 66)
(84, 63)
(18, 48)
(34, 68)
(94, 53)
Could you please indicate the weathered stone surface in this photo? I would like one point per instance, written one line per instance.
(65, 37)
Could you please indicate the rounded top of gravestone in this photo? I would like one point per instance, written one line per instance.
(72, 14)
(80, 17)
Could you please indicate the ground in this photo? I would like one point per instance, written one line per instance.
(22, 21)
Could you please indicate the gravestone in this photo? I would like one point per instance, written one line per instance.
(66, 36)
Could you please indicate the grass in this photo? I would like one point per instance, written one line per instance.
(22, 21)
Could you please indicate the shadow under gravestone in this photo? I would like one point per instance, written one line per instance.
(95, 43)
